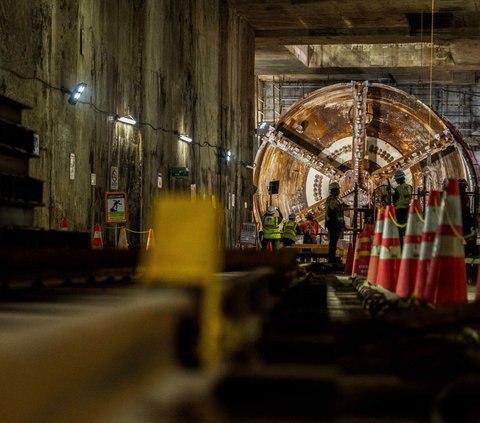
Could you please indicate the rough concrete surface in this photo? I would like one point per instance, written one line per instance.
(183, 66)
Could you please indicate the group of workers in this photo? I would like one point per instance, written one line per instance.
(310, 228)
(334, 219)
(403, 194)
(401, 199)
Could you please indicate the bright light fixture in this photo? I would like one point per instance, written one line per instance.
(229, 155)
(262, 128)
(77, 93)
(263, 125)
(128, 120)
(185, 138)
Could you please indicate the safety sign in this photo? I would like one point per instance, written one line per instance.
(248, 233)
(116, 207)
(113, 178)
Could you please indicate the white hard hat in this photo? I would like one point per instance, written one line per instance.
(334, 185)
(270, 210)
(399, 174)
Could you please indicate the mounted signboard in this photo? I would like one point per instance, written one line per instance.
(179, 172)
(116, 207)
(114, 178)
(248, 233)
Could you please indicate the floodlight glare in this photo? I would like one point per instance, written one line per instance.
(77, 93)
(128, 120)
(185, 138)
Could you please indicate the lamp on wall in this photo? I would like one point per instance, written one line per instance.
(262, 128)
(127, 120)
(77, 93)
(185, 138)
(224, 154)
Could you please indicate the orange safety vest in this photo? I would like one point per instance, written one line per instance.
(310, 226)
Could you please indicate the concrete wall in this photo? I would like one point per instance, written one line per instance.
(176, 66)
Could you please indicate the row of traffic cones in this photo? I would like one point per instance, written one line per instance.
(431, 266)
(122, 244)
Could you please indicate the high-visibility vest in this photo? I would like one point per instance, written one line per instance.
(310, 226)
(405, 193)
(271, 228)
(290, 230)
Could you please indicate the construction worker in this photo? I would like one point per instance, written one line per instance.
(271, 228)
(468, 219)
(290, 231)
(402, 195)
(310, 228)
(334, 220)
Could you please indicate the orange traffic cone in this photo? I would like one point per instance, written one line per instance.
(269, 246)
(375, 252)
(64, 224)
(447, 277)
(390, 252)
(355, 256)
(369, 227)
(349, 260)
(426, 246)
(360, 266)
(411, 250)
(97, 241)
(122, 239)
(150, 240)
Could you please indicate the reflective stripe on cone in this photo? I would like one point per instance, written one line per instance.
(122, 239)
(97, 241)
(432, 212)
(390, 252)
(375, 251)
(411, 251)
(150, 240)
(360, 266)
(447, 276)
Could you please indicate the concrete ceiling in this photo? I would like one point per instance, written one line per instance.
(376, 40)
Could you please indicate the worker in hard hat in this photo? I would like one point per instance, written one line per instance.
(402, 195)
(334, 220)
(290, 231)
(271, 228)
(468, 219)
(310, 229)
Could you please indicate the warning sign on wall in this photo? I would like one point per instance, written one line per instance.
(116, 207)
